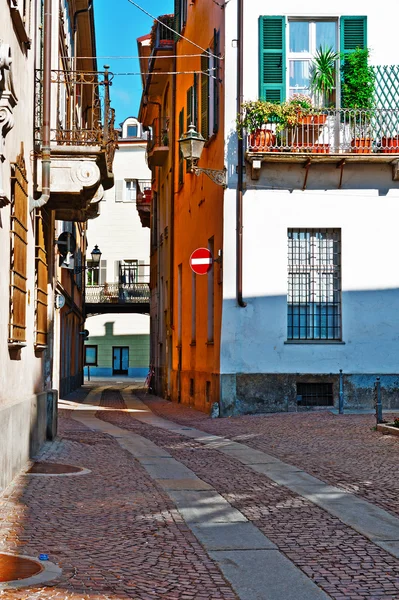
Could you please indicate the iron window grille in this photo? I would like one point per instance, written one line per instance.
(314, 284)
(315, 394)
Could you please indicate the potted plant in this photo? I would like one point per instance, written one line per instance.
(390, 143)
(358, 86)
(322, 75)
(257, 118)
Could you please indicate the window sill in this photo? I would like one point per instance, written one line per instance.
(210, 343)
(193, 343)
(40, 347)
(16, 345)
(317, 342)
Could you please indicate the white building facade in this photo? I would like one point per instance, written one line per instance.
(319, 246)
(118, 342)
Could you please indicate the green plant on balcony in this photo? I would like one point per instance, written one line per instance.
(322, 75)
(358, 96)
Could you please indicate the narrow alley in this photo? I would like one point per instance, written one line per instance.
(171, 504)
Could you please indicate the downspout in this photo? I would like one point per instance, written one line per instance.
(240, 157)
(46, 156)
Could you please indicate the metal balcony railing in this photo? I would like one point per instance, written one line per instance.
(161, 36)
(331, 131)
(118, 293)
(81, 103)
(158, 135)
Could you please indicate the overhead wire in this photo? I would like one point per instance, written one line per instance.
(173, 30)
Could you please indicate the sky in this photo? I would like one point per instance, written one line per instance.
(118, 25)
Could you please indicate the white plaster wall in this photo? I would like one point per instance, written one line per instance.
(119, 235)
(19, 379)
(366, 210)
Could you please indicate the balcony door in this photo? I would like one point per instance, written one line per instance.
(120, 360)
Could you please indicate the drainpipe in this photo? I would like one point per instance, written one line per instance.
(240, 156)
(46, 156)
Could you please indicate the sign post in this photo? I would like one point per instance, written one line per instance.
(201, 261)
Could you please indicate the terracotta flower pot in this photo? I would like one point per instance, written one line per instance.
(361, 145)
(390, 145)
(262, 140)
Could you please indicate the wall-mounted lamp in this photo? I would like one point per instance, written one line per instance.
(191, 146)
(95, 258)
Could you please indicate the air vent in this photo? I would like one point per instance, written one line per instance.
(315, 394)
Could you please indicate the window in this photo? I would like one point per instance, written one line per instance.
(93, 273)
(314, 284)
(192, 105)
(128, 271)
(131, 131)
(180, 16)
(41, 273)
(19, 242)
(315, 394)
(210, 88)
(130, 190)
(91, 356)
(304, 37)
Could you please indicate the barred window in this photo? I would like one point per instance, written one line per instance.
(19, 242)
(314, 284)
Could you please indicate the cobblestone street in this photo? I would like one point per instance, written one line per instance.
(123, 531)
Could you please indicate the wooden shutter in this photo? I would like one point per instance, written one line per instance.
(216, 82)
(117, 271)
(181, 159)
(272, 59)
(141, 271)
(103, 272)
(353, 33)
(119, 190)
(205, 96)
(19, 242)
(41, 268)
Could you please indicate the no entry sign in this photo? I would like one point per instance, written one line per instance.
(201, 261)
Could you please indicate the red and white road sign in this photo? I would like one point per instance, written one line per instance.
(201, 261)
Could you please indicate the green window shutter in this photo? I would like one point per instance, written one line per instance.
(190, 99)
(205, 96)
(272, 60)
(216, 82)
(177, 20)
(195, 93)
(181, 159)
(353, 33)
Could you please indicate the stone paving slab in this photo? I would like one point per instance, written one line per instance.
(231, 536)
(184, 484)
(266, 575)
(162, 468)
(205, 507)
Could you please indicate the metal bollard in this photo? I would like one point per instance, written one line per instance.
(341, 393)
(378, 403)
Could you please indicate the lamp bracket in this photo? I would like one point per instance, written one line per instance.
(218, 176)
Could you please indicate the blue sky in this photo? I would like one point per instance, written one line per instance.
(118, 25)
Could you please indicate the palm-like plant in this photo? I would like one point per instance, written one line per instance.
(322, 73)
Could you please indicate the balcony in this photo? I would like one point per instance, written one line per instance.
(158, 142)
(143, 201)
(117, 298)
(340, 136)
(83, 141)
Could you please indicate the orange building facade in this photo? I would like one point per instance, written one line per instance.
(186, 209)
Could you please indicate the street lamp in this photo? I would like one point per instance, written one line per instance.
(191, 145)
(95, 257)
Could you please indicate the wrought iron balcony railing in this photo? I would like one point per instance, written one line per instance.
(162, 37)
(144, 194)
(331, 131)
(81, 101)
(118, 293)
(159, 134)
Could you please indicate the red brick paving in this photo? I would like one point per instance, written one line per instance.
(341, 561)
(342, 450)
(115, 534)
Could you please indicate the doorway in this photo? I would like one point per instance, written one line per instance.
(120, 360)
